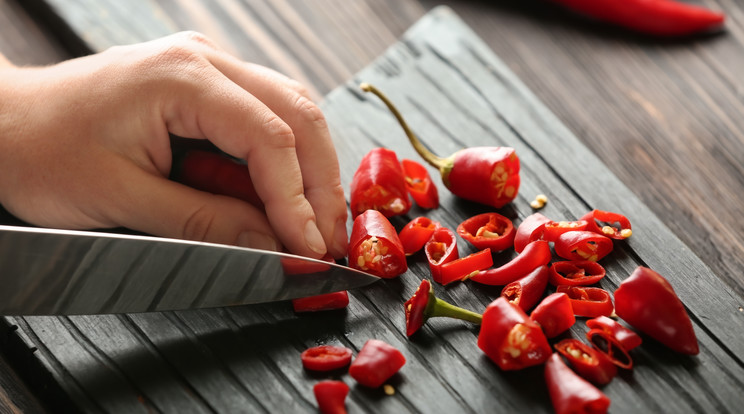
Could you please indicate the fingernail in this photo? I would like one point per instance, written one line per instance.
(314, 239)
(256, 240)
(340, 238)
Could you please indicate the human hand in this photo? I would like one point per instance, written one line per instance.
(85, 144)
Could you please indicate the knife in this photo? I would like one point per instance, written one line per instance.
(66, 272)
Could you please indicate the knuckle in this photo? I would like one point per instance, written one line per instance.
(198, 224)
(298, 87)
(310, 113)
(279, 132)
(194, 37)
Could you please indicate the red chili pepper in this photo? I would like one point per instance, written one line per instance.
(488, 175)
(424, 305)
(534, 255)
(378, 184)
(511, 339)
(531, 229)
(588, 301)
(605, 343)
(325, 357)
(583, 245)
(570, 393)
(627, 338)
(460, 269)
(576, 273)
(526, 291)
(440, 249)
(375, 246)
(613, 225)
(648, 302)
(328, 301)
(554, 229)
(416, 233)
(488, 230)
(294, 266)
(554, 314)
(591, 364)
(656, 17)
(376, 362)
(419, 184)
(331, 396)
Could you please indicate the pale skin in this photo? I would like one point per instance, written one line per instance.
(84, 144)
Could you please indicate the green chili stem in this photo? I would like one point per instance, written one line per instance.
(442, 308)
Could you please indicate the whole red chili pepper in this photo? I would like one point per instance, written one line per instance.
(602, 222)
(570, 393)
(554, 314)
(419, 184)
(588, 301)
(488, 175)
(440, 249)
(331, 396)
(526, 291)
(605, 343)
(554, 229)
(583, 245)
(488, 230)
(375, 363)
(627, 338)
(378, 184)
(510, 338)
(531, 229)
(424, 305)
(654, 17)
(325, 357)
(460, 269)
(416, 233)
(591, 364)
(374, 246)
(328, 301)
(534, 255)
(576, 273)
(648, 302)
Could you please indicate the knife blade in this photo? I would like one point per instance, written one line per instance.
(67, 272)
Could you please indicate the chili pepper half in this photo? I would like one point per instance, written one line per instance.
(331, 396)
(378, 184)
(534, 255)
(460, 269)
(613, 225)
(588, 301)
(325, 357)
(531, 229)
(554, 229)
(627, 338)
(375, 246)
(424, 305)
(576, 273)
(375, 363)
(416, 233)
(488, 175)
(526, 291)
(328, 301)
(570, 393)
(419, 184)
(440, 249)
(554, 314)
(583, 245)
(605, 343)
(488, 230)
(591, 364)
(647, 301)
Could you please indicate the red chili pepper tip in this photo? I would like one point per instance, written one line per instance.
(424, 305)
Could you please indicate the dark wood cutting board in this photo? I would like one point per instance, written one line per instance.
(455, 93)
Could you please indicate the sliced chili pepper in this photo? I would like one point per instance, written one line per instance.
(591, 364)
(554, 314)
(375, 246)
(529, 230)
(526, 291)
(570, 393)
(583, 245)
(325, 357)
(534, 255)
(440, 249)
(331, 396)
(627, 338)
(419, 184)
(424, 305)
(376, 362)
(488, 175)
(613, 225)
(576, 273)
(554, 229)
(378, 184)
(328, 301)
(488, 230)
(647, 301)
(416, 233)
(510, 338)
(460, 269)
(605, 343)
(588, 301)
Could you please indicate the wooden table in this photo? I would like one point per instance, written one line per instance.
(663, 116)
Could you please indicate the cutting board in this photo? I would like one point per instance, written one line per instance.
(455, 93)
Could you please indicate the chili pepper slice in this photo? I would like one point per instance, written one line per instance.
(424, 305)
(328, 301)
(627, 338)
(511, 339)
(331, 396)
(526, 291)
(529, 230)
(613, 225)
(376, 362)
(576, 273)
(440, 249)
(375, 246)
(554, 229)
(605, 343)
(554, 314)
(583, 245)
(460, 269)
(378, 184)
(416, 233)
(588, 301)
(588, 362)
(488, 230)
(647, 301)
(488, 175)
(325, 357)
(570, 393)
(419, 184)
(534, 255)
